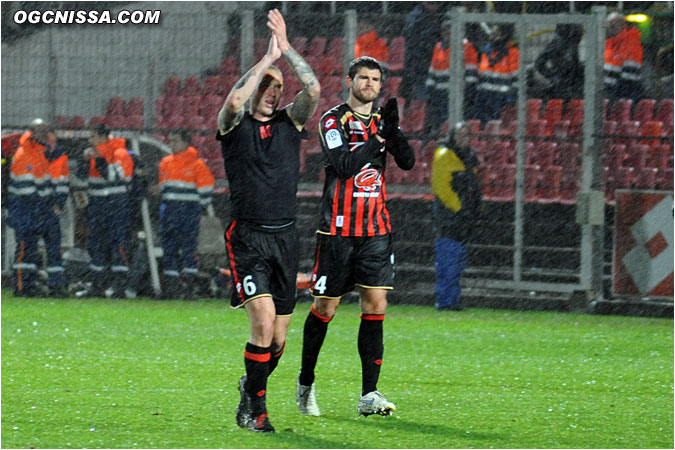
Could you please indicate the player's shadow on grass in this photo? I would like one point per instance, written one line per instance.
(416, 427)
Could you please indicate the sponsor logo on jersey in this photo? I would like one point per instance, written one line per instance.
(333, 139)
(339, 221)
(329, 123)
(356, 125)
(368, 179)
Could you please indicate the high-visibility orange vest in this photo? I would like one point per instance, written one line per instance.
(502, 77)
(439, 71)
(185, 177)
(120, 170)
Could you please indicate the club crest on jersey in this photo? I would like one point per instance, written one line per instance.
(368, 179)
(329, 123)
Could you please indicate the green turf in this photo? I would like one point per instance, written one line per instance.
(152, 374)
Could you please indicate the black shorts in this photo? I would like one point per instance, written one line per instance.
(342, 263)
(263, 262)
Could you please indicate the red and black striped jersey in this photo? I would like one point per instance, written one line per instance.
(354, 194)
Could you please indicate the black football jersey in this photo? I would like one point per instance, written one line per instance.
(262, 161)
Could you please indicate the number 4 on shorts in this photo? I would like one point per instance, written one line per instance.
(320, 285)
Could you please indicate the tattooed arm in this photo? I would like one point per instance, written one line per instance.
(233, 109)
(305, 103)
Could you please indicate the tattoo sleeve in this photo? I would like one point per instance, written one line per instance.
(233, 109)
(306, 101)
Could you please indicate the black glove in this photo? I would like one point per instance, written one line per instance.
(388, 119)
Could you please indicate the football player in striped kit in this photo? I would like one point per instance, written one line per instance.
(354, 248)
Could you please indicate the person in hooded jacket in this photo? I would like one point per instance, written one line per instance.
(456, 206)
(187, 185)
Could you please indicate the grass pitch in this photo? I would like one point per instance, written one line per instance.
(163, 374)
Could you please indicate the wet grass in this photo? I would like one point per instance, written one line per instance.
(148, 374)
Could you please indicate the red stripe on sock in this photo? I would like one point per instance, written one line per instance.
(280, 352)
(372, 316)
(260, 357)
(319, 316)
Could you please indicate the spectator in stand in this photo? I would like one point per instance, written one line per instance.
(557, 71)
(439, 77)
(421, 31)
(497, 74)
(369, 44)
(457, 204)
(35, 202)
(623, 59)
(187, 185)
(108, 169)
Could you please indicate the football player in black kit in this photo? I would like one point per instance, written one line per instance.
(354, 247)
(261, 152)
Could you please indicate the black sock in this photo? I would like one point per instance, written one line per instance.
(371, 349)
(275, 357)
(256, 361)
(315, 330)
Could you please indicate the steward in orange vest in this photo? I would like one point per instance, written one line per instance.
(439, 77)
(497, 74)
(35, 183)
(187, 185)
(623, 59)
(108, 172)
(368, 44)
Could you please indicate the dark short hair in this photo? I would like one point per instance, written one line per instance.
(367, 62)
(101, 130)
(184, 134)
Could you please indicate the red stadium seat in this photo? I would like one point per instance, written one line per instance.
(508, 114)
(645, 178)
(664, 179)
(299, 43)
(627, 132)
(115, 106)
(620, 111)
(652, 128)
(658, 156)
(614, 156)
(532, 183)
(259, 48)
(391, 87)
(134, 106)
(317, 46)
(553, 112)
(135, 121)
(664, 114)
(550, 184)
(396, 53)
(191, 86)
(546, 154)
(636, 156)
(532, 109)
(561, 128)
(569, 156)
(474, 126)
(230, 66)
(537, 128)
(644, 110)
(413, 120)
(503, 183)
(94, 121)
(570, 183)
(171, 86)
(574, 112)
(214, 85)
(336, 48)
